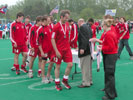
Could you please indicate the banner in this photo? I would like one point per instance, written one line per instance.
(111, 12)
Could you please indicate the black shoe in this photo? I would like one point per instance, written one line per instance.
(91, 84)
(82, 86)
(103, 89)
(106, 98)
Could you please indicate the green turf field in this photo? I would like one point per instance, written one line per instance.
(14, 87)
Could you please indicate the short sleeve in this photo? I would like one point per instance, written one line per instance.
(54, 32)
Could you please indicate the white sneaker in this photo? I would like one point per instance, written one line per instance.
(45, 80)
(131, 58)
(13, 68)
(30, 74)
(50, 78)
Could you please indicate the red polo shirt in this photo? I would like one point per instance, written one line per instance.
(62, 41)
(110, 43)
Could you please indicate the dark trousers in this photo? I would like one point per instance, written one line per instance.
(124, 42)
(109, 61)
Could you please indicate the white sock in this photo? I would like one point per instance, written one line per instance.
(57, 80)
(65, 77)
(30, 70)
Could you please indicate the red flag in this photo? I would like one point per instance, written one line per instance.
(55, 10)
(3, 10)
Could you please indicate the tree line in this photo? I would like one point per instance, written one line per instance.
(79, 8)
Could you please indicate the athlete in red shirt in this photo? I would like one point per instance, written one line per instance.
(60, 42)
(109, 48)
(93, 27)
(124, 38)
(0, 30)
(117, 27)
(50, 23)
(19, 42)
(34, 51)
(51, 64)
(97, 26)
(45, 46)
(28, 25)
(73, 34)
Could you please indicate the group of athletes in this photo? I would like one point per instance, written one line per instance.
(52, 43)
(47, 41)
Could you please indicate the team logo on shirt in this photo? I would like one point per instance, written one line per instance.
(22, 27)
(17, 27)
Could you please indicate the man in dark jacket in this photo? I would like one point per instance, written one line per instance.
(84, 53)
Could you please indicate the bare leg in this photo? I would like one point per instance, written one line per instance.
(49, 69)
(68, 69)
(16, 59)
(24, 58)
(57, 71)
(39, 62)
(31, 63)
(43, 68)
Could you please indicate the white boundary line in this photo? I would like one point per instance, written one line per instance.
(18, 82)
(11, 78)
(39, 83)
(6, 59)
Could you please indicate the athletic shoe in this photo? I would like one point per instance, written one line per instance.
(23, 69)
(103, 89)
(17, 72)
(107, 98)
(131, 58)
(45, 80)
(82, 86)
(30, 74)
(65, 83)
(39, 73)
(118, 58)
(91, 83)
(50, 78)
(58, 87)
(13, 68)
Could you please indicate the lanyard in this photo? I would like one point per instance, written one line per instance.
(64, 31)
(104, 36)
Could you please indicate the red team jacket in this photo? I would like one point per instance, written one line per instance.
(18, 33)
(44, 38)
(73, 36)
(114, 28)
(117, 27)
(125, 27)
(28, 26)
(62, 41)
(93, 28)
(96, 24)
(110, 42)
(51, 26)
(33, 36)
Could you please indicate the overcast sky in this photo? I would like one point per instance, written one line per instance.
(9, 2)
